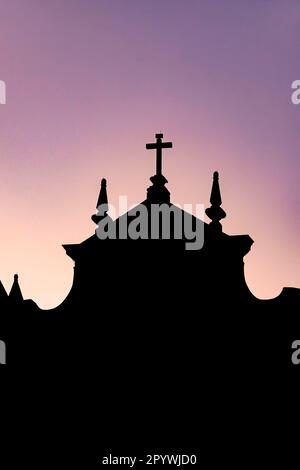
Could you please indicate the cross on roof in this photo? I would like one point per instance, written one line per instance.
(159, 145)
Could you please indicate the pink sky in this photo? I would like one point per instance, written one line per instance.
(90, 82)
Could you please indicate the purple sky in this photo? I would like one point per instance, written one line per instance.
(89, 82)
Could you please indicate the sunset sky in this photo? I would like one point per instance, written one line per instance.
(89, 82)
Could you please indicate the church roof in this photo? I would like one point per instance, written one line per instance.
(158, 195)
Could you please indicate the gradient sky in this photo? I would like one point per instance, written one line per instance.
(89, 82)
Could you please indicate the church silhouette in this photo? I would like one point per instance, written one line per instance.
(155, 343)
(129, 294)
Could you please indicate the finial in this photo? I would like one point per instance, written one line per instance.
(103, 194)
(15, 293)
(215, 197)
(102, 204)
(158, 193)
(215, 212)
(158, 146)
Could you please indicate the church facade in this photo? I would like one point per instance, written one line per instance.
(118, 278)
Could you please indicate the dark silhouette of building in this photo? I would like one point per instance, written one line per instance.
(214, 275)
(155, 341)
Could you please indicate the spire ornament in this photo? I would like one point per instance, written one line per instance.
(102, 204)
(158, 193)
(215, 212)
(15, 294)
